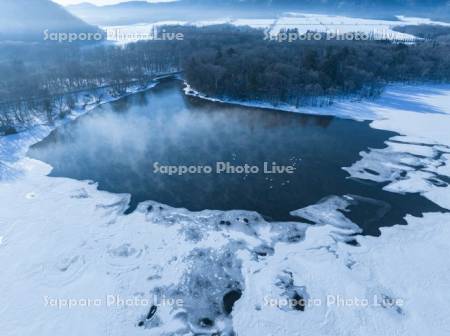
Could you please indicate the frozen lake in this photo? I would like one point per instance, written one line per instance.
(118, 145)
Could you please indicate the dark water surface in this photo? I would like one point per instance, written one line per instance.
(117, 145)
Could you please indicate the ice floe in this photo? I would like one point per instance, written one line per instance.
(416, 161)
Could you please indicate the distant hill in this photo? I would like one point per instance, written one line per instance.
(26, 20)
(130, 12)
(349, 5)
(330, 3)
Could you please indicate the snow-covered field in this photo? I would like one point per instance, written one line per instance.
(381, 29)
(72, 263)
(304, 22)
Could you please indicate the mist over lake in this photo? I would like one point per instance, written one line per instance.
(119, 144)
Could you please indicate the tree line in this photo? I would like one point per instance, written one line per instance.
(309, 72)
(41, 81)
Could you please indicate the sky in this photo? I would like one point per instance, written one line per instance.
(98, 2)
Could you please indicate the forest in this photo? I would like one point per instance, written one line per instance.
(309, 72)
(429, 32)
(42, 80)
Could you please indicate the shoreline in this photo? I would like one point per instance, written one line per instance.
(339, 108)
(94, 95)
(25, 139)
(331, 110)
(37, 132)
(391, 111)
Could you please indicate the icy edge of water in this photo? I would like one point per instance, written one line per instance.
(14, 147)
(416, 160)
(336, 109)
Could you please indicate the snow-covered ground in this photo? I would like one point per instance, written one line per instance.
(72, 263)
(381, 29)
(304, 22)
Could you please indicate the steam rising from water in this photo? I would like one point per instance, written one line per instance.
(118, 144)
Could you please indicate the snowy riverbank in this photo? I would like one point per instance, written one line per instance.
(16, 145)
(64, 239)
(325, 108)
